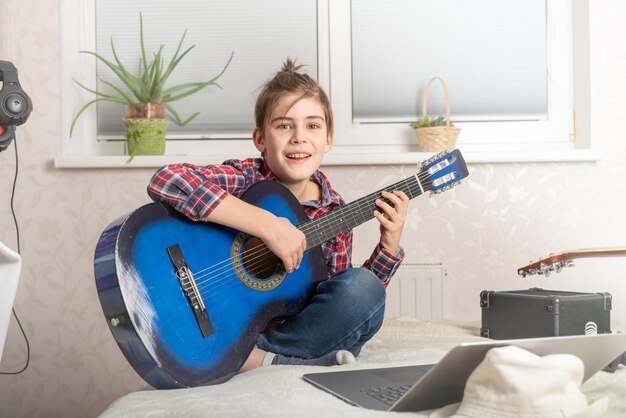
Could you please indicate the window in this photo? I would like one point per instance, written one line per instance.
(507, 63)
(363, 71)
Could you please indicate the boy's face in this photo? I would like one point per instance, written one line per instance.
(295, 139)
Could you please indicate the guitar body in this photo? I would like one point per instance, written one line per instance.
(151, 315)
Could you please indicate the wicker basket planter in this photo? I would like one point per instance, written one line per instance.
(437, 138)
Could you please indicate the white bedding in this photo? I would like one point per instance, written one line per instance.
(279, 391)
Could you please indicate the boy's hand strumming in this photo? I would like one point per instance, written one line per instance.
(286, 241)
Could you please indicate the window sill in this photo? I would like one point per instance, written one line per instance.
(340, 156)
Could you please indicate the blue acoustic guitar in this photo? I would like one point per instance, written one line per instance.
(186, 300)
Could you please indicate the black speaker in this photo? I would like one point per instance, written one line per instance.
(15, 105)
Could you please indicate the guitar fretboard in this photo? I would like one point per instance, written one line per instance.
(342, 219)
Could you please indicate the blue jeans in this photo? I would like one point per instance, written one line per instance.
(344, 313)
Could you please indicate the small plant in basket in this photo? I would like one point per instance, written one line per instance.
(435, 134)
(428, 121)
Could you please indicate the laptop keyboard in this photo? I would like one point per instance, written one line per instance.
(388, 395)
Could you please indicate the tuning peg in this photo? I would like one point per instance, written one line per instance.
(545, 269)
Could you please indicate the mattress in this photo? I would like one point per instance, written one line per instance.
(279, 391)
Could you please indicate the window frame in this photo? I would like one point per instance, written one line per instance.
(556, 139)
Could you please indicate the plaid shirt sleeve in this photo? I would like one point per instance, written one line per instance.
(196, 191)
(383, 263)
(338, 253)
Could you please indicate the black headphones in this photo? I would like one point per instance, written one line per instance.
(15, 105)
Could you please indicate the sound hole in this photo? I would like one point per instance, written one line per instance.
(258, 260)
(254, 264)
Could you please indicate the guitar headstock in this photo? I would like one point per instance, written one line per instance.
(443, 171)
(557, 262)
(543, 267)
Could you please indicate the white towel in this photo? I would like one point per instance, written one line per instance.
(512, 382)
(10, 268)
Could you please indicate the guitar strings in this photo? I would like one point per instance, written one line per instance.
(258, 256)
(224, 281)
(307, 228)
(254, 258)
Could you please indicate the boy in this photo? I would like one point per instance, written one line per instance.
(294, 129)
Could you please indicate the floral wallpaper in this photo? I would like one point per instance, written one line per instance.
(502, 217)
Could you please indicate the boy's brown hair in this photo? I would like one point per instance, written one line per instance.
(288, 81)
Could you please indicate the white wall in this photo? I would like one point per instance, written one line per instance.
(482, 231)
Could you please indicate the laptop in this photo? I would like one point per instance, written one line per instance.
(423, 387)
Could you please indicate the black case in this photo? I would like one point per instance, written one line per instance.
(543, 313)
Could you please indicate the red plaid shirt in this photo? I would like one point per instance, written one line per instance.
(196, 191)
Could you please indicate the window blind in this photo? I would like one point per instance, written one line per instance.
(491, 54)
(261, 35)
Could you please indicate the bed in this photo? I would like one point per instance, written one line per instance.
(279, 391)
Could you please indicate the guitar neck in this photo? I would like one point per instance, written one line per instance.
(565, 259)
(595, 252)
(342, 219)
(439, 173)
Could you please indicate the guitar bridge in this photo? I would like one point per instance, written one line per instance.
(188, 284)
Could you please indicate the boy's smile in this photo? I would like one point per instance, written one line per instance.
(294, 141)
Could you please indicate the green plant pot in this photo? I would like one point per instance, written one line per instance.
(145, 136)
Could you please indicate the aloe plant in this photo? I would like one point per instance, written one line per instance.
(148, 86)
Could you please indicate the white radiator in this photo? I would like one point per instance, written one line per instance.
(416, 290)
